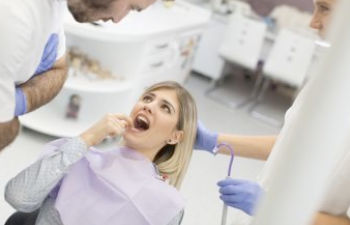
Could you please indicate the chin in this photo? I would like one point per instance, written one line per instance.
(322, 34)
(80, 16)
(131, 140)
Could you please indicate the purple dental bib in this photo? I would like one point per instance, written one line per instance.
(118, 187)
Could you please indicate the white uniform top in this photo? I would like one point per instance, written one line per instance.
(26, 26)
(337, 198)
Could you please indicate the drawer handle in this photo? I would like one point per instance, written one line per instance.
(156, 65)
(162, 46)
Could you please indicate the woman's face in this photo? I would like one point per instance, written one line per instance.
(321, 15)
(154, 117)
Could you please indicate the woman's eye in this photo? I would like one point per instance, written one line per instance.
(147, 98)
(166, 108)
(323, 8)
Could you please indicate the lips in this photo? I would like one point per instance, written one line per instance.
(141, 123)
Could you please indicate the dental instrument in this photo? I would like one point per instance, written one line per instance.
(215, 151)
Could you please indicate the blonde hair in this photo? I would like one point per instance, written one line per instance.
(173, 160)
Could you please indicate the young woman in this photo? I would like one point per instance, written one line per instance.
(74, 183)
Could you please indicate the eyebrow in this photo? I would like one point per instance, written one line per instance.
(163, 100)
(322, 2)
(150, 93)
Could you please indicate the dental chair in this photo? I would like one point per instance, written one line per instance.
(21, 218)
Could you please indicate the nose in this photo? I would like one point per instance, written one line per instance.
(316, 22)
(148, 109)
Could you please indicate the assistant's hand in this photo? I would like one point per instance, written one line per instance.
(205, 139)
(240, 194)
(49, 55)
(110, 125)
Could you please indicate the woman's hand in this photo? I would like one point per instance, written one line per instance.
(110, 125)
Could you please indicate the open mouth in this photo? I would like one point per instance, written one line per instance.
(141, 123)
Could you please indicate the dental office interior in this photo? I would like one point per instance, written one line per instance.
(244, 62)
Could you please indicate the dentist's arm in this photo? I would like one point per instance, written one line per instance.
(8, 132)
(37, 91)
(47, 63)
(258, 147)
(328, 219)
(42, 89)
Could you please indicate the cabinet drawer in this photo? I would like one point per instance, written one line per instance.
(160, 60)
(155, 63)
(158, 47)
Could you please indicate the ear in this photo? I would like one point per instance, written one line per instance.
(176, 137)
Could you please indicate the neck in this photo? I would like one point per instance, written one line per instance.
(148, 153)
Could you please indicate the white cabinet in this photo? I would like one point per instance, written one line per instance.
(207, 60)
(155, 45)
(172, 62)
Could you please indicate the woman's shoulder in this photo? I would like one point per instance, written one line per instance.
(169, 192)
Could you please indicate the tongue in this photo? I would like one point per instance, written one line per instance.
(140, 125)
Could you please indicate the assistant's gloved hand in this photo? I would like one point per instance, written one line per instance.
(49, 55)
(240, 194)
(21, 102)
(205, 139)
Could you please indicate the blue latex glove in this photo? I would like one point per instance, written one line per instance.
(240, 194)
(49, 55)
(21, 102)
(205, 139)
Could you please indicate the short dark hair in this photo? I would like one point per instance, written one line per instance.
(98, 4)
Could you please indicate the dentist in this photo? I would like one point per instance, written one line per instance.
(32, 63)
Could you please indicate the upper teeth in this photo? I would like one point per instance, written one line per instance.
(143, 119)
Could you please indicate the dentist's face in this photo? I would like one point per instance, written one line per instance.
(321, 15)
(115, 10)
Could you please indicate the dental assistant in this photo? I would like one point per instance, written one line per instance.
(244, 194)
(32, 57)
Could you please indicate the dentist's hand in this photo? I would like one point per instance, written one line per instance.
(21, 102)
(110, 125)
(48, 58)
(205, 139)
(240, 194)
